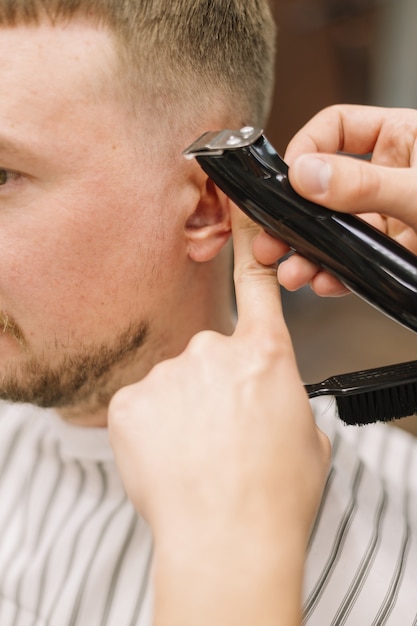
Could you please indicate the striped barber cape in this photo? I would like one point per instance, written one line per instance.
(73, 552)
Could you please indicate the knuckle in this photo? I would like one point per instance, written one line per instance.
(119, 401)
(118, 408)
(397, 139)
(201, 342)
(354, 182)
(274, 346)
(252, 271)
(128, 401)
(368, 181)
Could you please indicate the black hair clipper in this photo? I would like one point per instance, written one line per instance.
(247, 168)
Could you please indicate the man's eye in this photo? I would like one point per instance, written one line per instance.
(6, 176)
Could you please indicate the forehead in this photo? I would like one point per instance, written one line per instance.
(76, 50)
(51, 72)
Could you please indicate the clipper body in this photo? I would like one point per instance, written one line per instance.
(247, 168)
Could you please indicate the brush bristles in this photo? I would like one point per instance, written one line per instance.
(378, 406)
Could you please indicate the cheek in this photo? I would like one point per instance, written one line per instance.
(87, 267)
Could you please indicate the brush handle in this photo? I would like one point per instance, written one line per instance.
(365, 381)
(368, 262)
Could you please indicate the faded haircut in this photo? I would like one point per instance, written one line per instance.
(178, 54)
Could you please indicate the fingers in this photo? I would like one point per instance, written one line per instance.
(387, 186)
(257, 289)
(348, 128)
(267, 249)
(356, 186)
(297, 272)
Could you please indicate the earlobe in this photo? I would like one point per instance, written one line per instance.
(208, 228)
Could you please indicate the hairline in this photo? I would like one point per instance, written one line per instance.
(168, 95)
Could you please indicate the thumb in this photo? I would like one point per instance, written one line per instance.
(352, 185)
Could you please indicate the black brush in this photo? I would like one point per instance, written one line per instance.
(379, 394)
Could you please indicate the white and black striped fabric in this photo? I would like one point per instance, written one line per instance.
(362, 557)
(72, 550)
(74, 553)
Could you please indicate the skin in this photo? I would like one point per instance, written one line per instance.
(91, 266)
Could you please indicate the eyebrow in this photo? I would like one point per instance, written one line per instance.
(16, 147)
(13, 145)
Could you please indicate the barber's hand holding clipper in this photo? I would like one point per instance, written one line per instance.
(219, 451)
(383, 190)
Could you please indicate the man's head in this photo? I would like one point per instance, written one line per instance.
(110, 243)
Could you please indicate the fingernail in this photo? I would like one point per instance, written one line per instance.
(312, 174)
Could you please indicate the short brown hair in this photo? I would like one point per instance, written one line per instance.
(188, 50)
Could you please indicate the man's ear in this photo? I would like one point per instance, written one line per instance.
(208, 228)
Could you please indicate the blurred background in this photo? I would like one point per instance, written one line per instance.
(350, 51)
